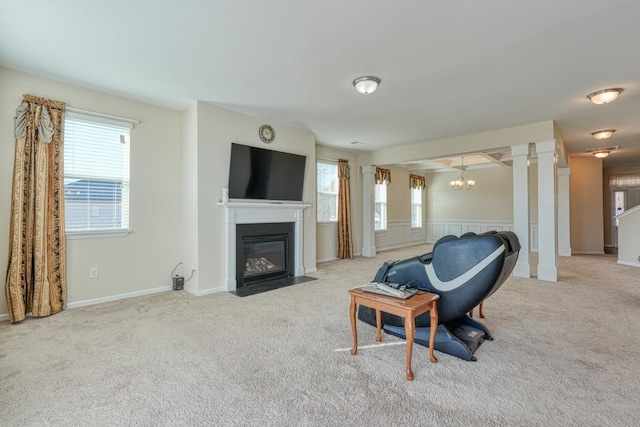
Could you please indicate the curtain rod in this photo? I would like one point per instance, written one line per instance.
(104, 116)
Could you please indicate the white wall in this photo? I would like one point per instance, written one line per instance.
(217, 128)
(141, 262)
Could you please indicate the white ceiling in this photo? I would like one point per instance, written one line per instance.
(448, 68)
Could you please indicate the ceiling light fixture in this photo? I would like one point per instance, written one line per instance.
(462, 182)
(602, 152)
(366, 84)
(604, 96)
(603, 134)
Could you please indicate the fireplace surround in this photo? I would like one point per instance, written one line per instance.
(262, 213)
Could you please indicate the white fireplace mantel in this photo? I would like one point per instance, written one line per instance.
(261, 213)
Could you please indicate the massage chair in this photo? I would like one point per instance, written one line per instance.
(464, 271)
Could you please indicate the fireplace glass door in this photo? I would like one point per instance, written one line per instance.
(265, 257)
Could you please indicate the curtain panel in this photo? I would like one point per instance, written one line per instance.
(383, 176)
(417, 181)
(624, 180)
(345, 238)
(36, 279)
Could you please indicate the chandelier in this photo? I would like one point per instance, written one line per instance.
(462, 181)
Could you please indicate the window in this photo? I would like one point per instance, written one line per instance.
(380, 206)
(416, 207)
(327, 180)
(96, 175)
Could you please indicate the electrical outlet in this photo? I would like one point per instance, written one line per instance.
(193, 267)
(93, 273)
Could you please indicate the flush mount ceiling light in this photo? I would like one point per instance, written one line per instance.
(604, 96)
(366, 84)
(603, 134)
(602, 152)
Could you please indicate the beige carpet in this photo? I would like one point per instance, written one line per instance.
(564, 354)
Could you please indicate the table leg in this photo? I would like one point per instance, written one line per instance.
(409, 326)
(352, 316)
(378, 325)
(432, 330)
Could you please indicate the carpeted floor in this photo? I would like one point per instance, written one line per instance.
(564, 354)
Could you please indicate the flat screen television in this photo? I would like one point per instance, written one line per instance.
(260, 174)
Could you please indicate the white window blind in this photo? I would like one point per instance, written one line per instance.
(96, 174)
(380, 206)
(327, 191)
(416, 207)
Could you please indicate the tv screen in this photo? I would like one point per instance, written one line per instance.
(257, 173)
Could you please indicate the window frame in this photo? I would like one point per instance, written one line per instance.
(382, 204)
(419, 219)
(319, 193)
(125, 178)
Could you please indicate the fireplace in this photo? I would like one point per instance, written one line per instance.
(263, 252)
(250, 213)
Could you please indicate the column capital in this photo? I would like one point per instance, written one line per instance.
(520, 150)
(547, 146)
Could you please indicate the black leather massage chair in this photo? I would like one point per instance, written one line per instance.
(464, 271)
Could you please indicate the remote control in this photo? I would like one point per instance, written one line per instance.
(390, 290)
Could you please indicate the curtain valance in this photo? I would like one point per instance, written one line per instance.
(383, 176)
(417, 181)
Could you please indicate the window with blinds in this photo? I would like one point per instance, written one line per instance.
(380, 206)
(327, 191)
(416, 207)
(96, 174)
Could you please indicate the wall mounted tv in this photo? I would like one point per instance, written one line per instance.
(257, 173)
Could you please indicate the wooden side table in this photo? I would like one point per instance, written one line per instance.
(408, 308)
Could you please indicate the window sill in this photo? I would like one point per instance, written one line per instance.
(96, 234)
(326, 222)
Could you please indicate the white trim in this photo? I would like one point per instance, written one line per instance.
(630, 264)
(96, 234)
(588, 252)
(310, 270)
(209, 291)
(4, 317)
(110, 298)
(106, 118)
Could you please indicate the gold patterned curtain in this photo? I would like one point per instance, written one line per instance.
(417, 181)
(37, 267)
(345, 239)
(383, 176)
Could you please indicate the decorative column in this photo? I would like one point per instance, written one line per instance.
(368, 208)
(564, 214)
(547, 210)
(521, 215)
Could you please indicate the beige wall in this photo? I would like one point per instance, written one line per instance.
(586, 205)
(398, 195)
(491, 198)
(143, 260)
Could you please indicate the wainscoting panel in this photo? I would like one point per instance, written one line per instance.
(437, 228)
(398, 234)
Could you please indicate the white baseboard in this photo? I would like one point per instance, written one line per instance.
(630, 264)
(588, 252)
(101, 300)
(209, 291)
(318, 261)
(310, 270)
(4, 317)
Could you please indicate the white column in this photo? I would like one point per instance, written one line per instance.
(521, 215)
(368, 226)
(547, 210)
(564, 214)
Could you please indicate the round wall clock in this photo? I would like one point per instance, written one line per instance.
(267, 134)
